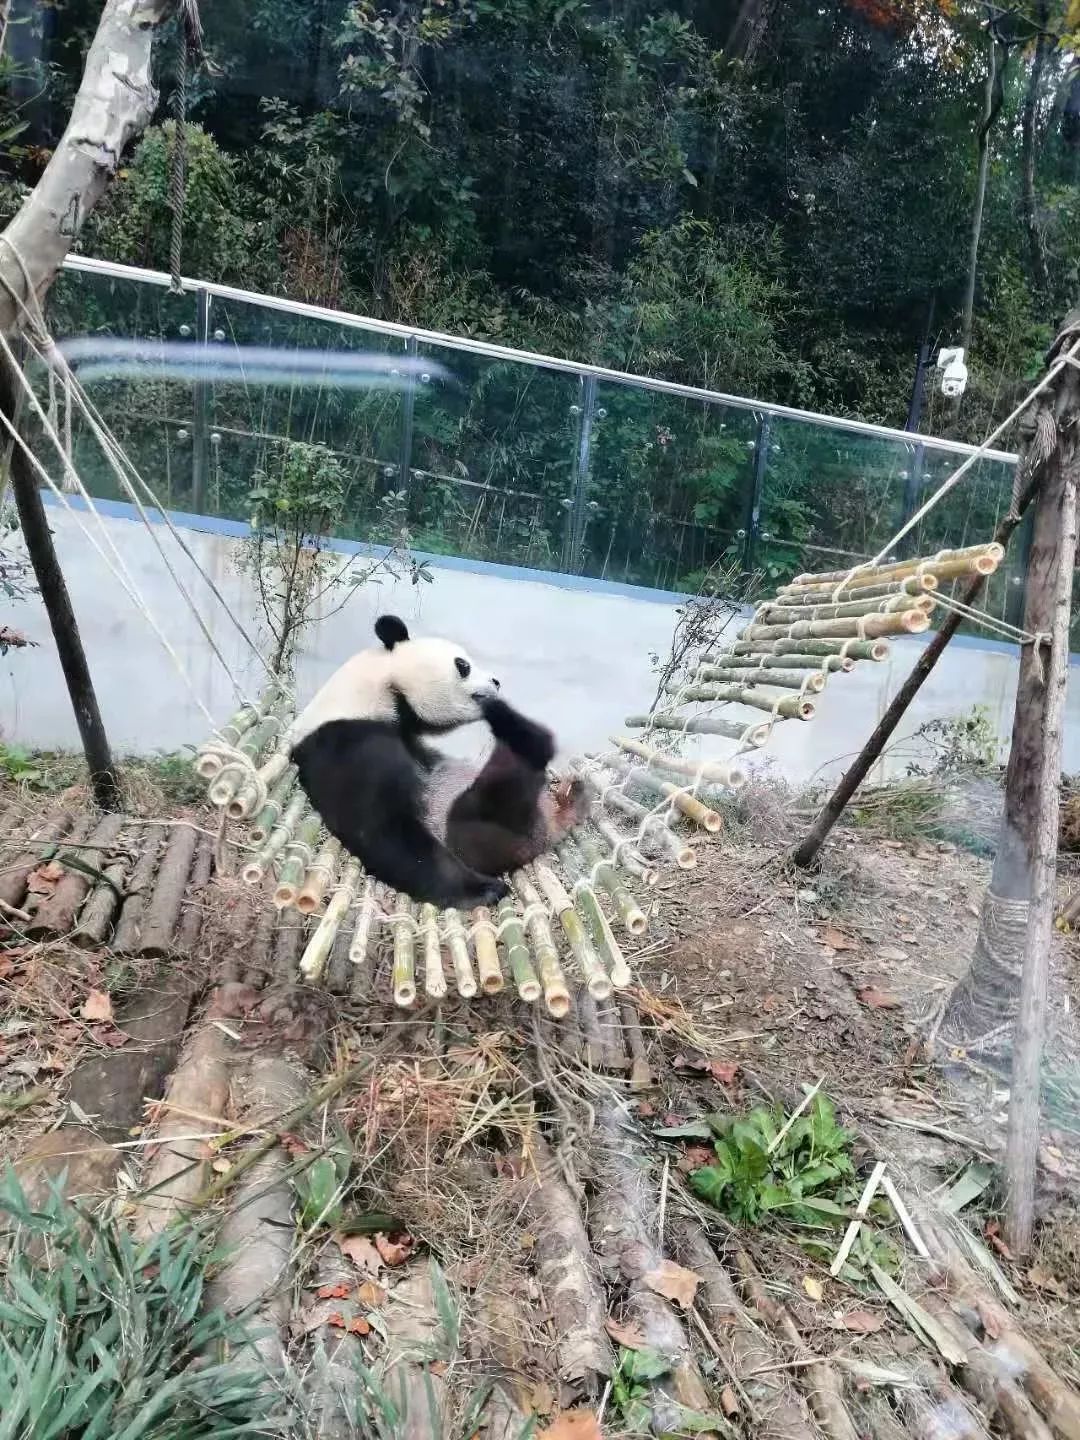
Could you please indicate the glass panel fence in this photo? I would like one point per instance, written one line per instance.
(147, 406)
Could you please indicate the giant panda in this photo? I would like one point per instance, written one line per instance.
(435, 828)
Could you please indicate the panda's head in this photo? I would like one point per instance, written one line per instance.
(436, 679)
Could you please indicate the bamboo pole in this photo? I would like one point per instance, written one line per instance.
(319, 878)
(209, 761)
(597, 980)
(687, 804)
(716, 772)
(233, 773)
(365, 920)
(775, 613)
(487, 952)
(791, 707)
(858, 627)
(259, 783)
(556, 993)
(517, 951)
(812, 594)
(765, 661)
(629, 911)
(264, 822)
(317, 951)
(298, 854)
(655, 827)
(630, 860)
(876, 650)
(753, 735)
(403, 928)
(982, 560)
(434, 971)
(809, 682)
(280, 836)
(586, 900)
(458, 945)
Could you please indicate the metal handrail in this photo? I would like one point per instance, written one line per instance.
(88, 265)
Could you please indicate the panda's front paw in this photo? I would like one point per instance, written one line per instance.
(492, 892)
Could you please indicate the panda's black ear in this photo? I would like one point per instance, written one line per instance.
(390, 630)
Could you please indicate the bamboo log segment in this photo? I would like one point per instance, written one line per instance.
(655, 825)
(98, 912)
(629, 911)
(487, 952)
(434, 972)
(298, 856)
(517, 952)
(458, 945)
(128, 926)
(624, 854)
(717, 773)
(876, 650)
(319, 878)
(56, 915)
(597, 980)
(752, 735)
(791, 707)
(365, 923)
(858, 627)
(403, 928)
(162, 910)
(765, 660)
(191, 917)
(946, 564)
(209, 760)
(270, 814)
(603, 937)
(317, 951)
(687, 804)
(257, 785)
(280, 836)
(812, 594)
(556, 993)
(773, 613)
(811, 681)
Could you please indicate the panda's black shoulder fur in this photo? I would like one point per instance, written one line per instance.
(366, 779)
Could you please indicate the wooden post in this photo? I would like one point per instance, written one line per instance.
(805, 853)
(1022, 1143)
(57, 601)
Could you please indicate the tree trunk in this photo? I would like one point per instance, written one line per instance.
(995, 91)
(114, 103)
(1028, 153)
(987, 995)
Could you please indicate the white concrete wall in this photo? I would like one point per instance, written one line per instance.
(576, 658)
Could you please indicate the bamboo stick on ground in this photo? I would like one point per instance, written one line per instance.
(751, 734)
(101, 905)
(319, 878)
(317, 952)
(404, 931)
(126, 935)
(556, 994)
(865, 627)
(458, 945)
(280, 836)
(689, 805)
(585, 899)
(264, 822)
(810, 682)
(629, 911)
(162, 909)
(298, 856)
(592, 970)
(716, 772)
(655, 827)
(487, 952)
(56, 914)
(434, 971)
(622, 847)
(517, 952)
(588, 1020)
(365, 920)
(640, 1072)
(876, 650)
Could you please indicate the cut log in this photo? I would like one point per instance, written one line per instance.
(102, 904)
(126, 937)
(195, 900)
(157, 930)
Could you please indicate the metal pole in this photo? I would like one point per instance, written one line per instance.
(200, 405)
(757, 488)
(408, 410)
(574, 533)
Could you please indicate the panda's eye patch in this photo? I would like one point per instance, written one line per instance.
(464, 669)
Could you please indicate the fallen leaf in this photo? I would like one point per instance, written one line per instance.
(996, 1240)
(646, 1109)
(332, 1292)
(1043, 1279)
(360, 1250)
(991, 1321)
(697, 1063)
(358, 1326)
(674, 1282)
(293, 1146)
(1052, 1160)
(875, 999)
(629, 1335)
(109, 1035)
(440, 1367)
(813, 1287)
(695, 1157)
(836, 939)
(394, 1249)
(860, 1322)
(573, 1425)
(97, 1006)
(468, 1273)
(723, 1070)
(542, 1400)
(371, 1295)
(728, 1404)
(44, 879)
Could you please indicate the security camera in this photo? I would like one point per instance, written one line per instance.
(953, 372)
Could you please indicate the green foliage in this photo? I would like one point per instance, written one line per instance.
(806, 1178)
(23, 767)
(964, 744)
(641, 1411)
(110, 1338)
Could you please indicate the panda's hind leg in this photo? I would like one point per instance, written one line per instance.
(408, 857)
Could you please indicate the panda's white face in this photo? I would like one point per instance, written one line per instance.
(440, 682)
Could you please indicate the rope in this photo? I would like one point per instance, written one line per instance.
(178, 172)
